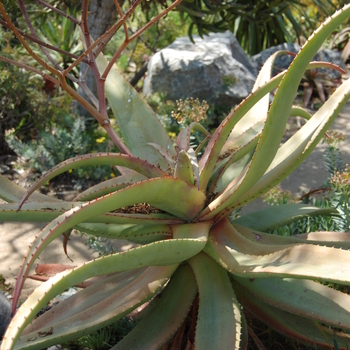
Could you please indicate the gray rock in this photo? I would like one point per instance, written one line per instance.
(215, 69)
(283, 62)
(5, 314)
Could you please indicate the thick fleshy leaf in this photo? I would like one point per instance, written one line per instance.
(276, 216)
(166, 316)
(183, 168)
(183, 139)
(134, 233)
(45, 212)
(165, 154)
(218, 139)
(133, 163)
(302, 297)
(198, 233)
(94, 307)
(12, 193)
(137, 122)
(290, 325)
(219, 315)
(328, 239)
(163, 253)
(109, 186)
(246, 258)
(290, 155)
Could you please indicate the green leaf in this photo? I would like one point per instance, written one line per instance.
(109, 186)
(94, 307)
(12, 193)
(163, 253)
(302, 297)
(328, 239)
(94, 159)
(166, 316)
(219, 316)
(47, 211)
(137, 122)
(133, 233)
(90, 309)
(276, 216)
(299, 328)
(246, 258)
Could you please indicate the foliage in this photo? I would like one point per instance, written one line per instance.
(65, 139)
(174, 203)
(256, 24)
(25, 107)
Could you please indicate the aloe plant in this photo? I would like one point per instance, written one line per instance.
(176, 207)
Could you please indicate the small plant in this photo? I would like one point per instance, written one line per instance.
(175, 204)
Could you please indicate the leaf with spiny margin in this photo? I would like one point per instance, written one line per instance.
(165, 154)
(161, 323)
(218, 139)
(246, 258)
(90, 309)
(228, 169)
(47, 211)
(134, 233)
(137, 122)
(328, 239)
(12, 193)
(276, 216)
(283, 100)
(292, 153)
(109, 186)
(183, 167)
(289, 156)
(258, 113)
(219, 316)
(183, 139)
(124, 160)
(302, 297)
(198, 233)
(162, 253)
(294, 326)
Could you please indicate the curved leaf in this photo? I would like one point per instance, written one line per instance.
(328, 239)
(45, 212)
(12, 193)
(277, 216)
(290, 325)
(302, 297)
(133, 233)
(219, 316)
(198, 233)
(166, 316)
(167, 252)
(137, 122)
(246, 258)
(94, 307)
(133, 163)
(108, 186)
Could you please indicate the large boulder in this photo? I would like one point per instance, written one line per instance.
(215, 69)
(5, 314)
